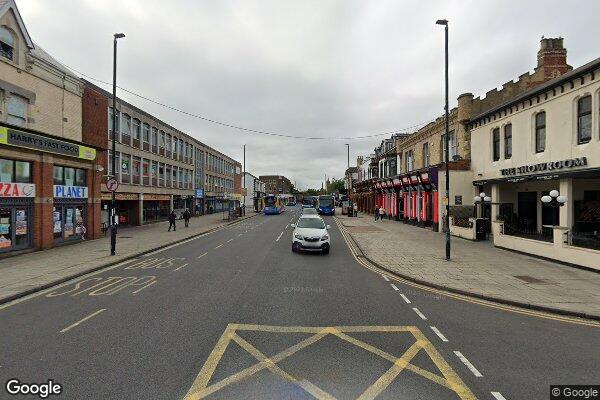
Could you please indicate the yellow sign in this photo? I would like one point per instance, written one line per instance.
(34, 141)
(447, 379)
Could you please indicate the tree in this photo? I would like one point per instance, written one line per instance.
(336, 184)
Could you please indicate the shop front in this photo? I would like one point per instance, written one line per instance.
(127, 208)
(69, 213)
(156, 207)
(16, 215)
(420, 198)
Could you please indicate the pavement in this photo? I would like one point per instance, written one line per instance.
(476, 268)
(27, 273)
(236, 314)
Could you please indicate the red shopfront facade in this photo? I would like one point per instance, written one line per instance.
(420, 198)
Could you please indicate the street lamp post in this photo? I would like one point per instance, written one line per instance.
(554, 200)
(113, 217)
(244, 181)
(482, 199)
(444, 22)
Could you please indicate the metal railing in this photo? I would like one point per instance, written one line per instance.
(544, 235)
(588, 240)
(463, 222)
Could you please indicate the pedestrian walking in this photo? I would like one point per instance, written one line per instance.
(172, 219)
(381, 213)
(376, 212)
(355, 210)
(186, 217)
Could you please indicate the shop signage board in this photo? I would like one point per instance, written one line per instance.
(12, 189)
(160, 197)
(545, 167)
(18, 138)
(199, 193)
(71, 192)
(120, 196)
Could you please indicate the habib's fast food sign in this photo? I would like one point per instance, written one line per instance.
(545, 167)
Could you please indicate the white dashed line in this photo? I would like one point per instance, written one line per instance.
(287, 226)
(395, 287)
(279, 237)
(230, 240)
(468, 364)
(405, 298)
(240, 234)
(202, 255)
(82, 320)
(420, 314)
(219, 246)
(386, 278)
(438, 333)
(498, 396)
(178, 268)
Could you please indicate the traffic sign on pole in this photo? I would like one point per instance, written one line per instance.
(112, 185)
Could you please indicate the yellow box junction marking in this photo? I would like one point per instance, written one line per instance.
(449, 379)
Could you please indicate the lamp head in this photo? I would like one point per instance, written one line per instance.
(119, 35)
(482, 195)
(477, 199)
(561, 199)
(442, 22)
(487, 198)
(554, 193)
(546, 199)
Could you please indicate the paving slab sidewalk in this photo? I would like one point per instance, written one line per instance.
(27, 273)
(476, 268)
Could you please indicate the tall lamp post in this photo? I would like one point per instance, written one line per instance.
(348, 167)
(244, 181)
(444, 22)
(113, 228)
(554, 200)
(482, 199)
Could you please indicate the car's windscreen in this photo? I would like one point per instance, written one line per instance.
(315, 223)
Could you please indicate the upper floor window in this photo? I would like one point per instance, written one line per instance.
(15, 171)
(137, 127)
(111, 119)
(146, 133)
(452, 146)
(16, 110)
(154, 137)
(7, 44)
(426, 154)
(540, 132)
(584, 119)
(161, 141)
(126, 126)
(496, 143)
(409, 161)
(69, 176)
(508, 141)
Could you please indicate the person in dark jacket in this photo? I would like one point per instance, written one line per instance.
(186, 217)
(376, 212)
(172, 219)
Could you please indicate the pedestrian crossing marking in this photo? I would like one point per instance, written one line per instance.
(449, 379)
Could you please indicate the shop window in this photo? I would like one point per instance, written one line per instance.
(15, 227)
(540, 132)
(125, 168)
(16, 110)
(68, 221)
(59, 173)
(508, 141)
(496, 143)
(69, 176)
(7, 44)
(584, 119)
(80, 177)
(15, 171)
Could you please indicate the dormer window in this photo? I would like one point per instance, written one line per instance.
(7, 44)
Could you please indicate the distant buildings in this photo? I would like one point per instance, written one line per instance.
(276, 184)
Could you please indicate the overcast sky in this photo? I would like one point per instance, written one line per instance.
(306, 68)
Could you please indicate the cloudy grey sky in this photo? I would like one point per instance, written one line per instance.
(306, 68)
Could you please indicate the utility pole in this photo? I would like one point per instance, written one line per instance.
(349, 178)
(446, 145)
(113, 219)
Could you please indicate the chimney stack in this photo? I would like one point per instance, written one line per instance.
(552, 58)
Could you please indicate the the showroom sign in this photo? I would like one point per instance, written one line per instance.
(545, 167)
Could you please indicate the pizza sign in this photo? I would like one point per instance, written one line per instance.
(11, 189)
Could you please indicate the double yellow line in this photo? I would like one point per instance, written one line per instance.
(539, 314)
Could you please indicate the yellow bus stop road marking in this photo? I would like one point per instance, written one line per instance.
(449, 379)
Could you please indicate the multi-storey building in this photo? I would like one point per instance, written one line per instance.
(276, 184)
(219, 180)
(50, 173)
(539, 150)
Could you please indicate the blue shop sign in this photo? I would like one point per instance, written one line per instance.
(199, 193)
(71, 192)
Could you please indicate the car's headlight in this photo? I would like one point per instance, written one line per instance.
(297, 236)
(325, 237)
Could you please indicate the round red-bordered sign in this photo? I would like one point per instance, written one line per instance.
(112, 184)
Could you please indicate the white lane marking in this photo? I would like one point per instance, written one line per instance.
(230, 240)
(438, 333)
(240, 234)
(178, 268)
(202, 255)
(279, 237)
(498, 396)
(82, 320)
(287, 226)
(420, 314)
(395, 287)
(144, 287)
(405, 298)
(386, 278)
(468, 364)
(219, 246)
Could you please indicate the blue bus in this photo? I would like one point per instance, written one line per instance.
(326, 205)
(273, 205)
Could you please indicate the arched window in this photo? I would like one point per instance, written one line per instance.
(584, 119)
(7, 43)
(540, 132)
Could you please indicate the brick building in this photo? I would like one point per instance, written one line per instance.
(50, 173)
(276, 184)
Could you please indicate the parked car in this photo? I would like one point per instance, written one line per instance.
(310, 233)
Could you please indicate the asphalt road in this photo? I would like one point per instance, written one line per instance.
(236, 314)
